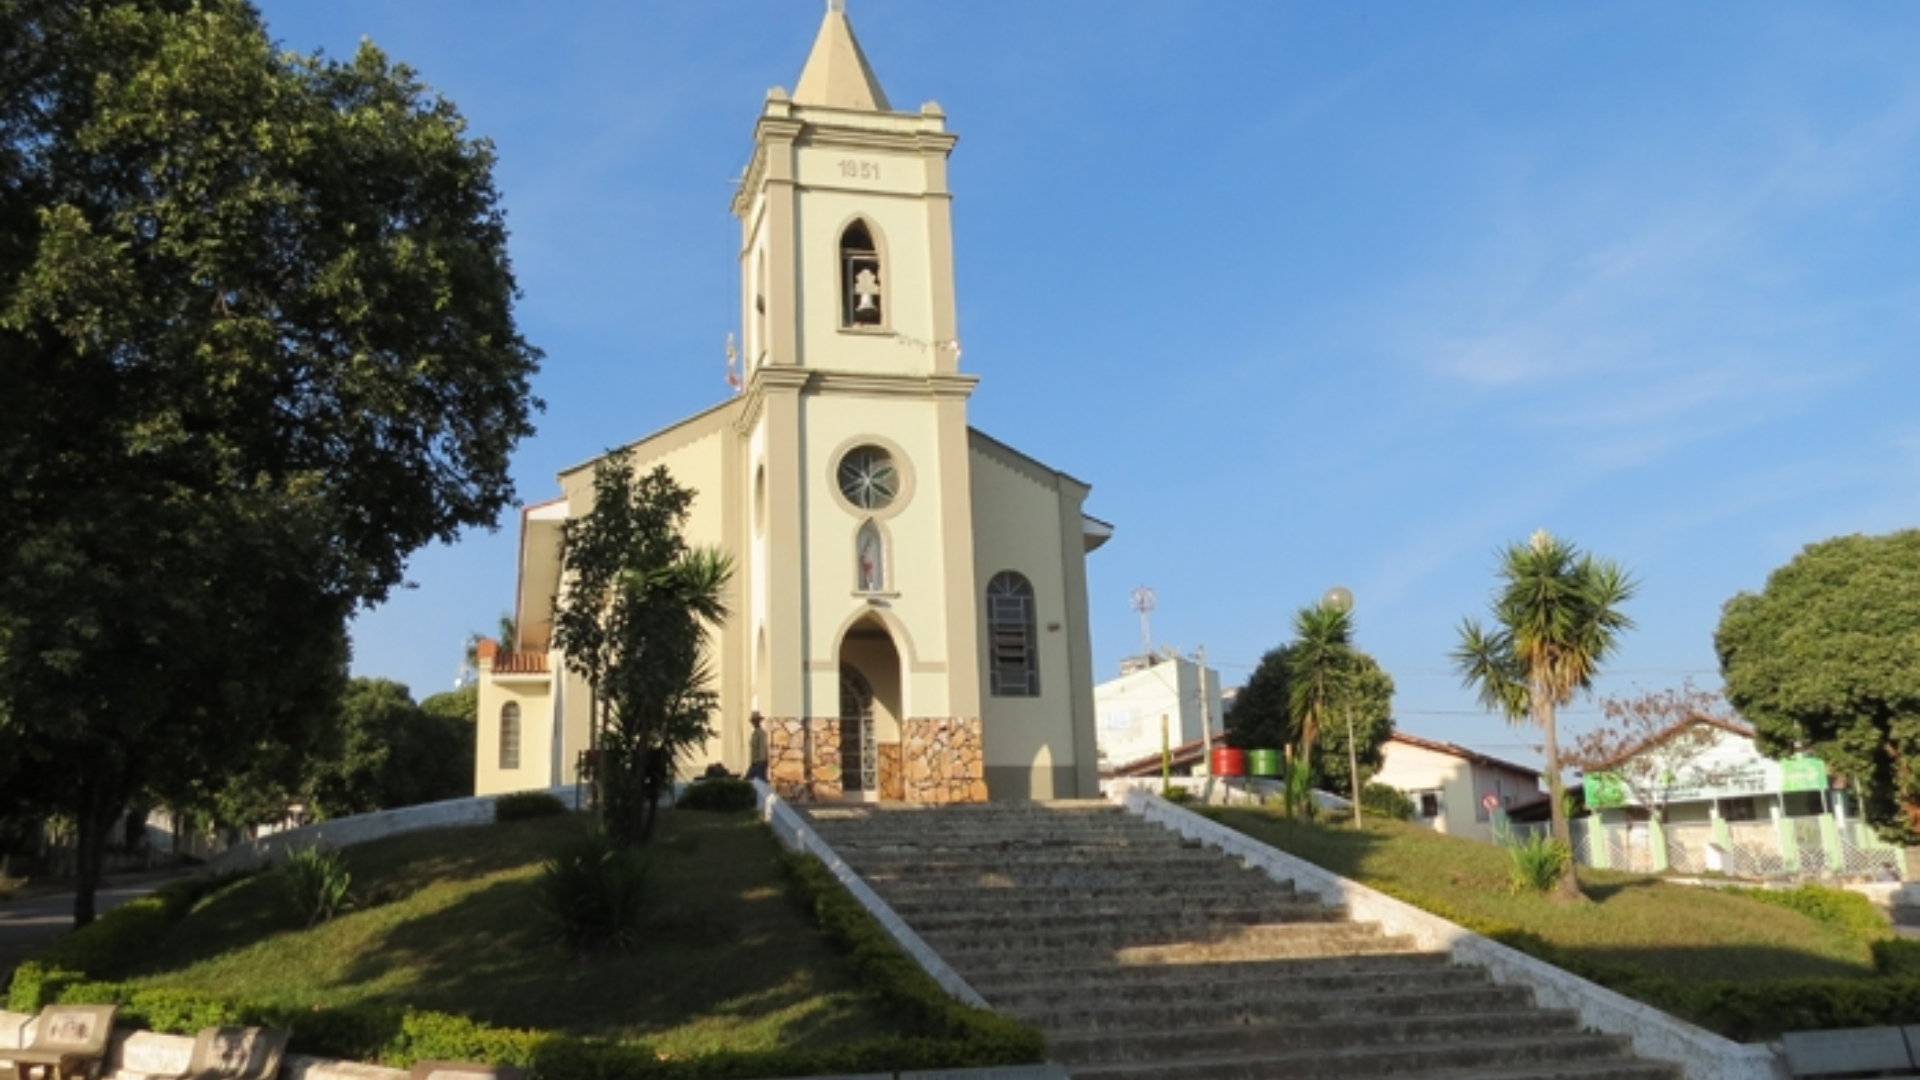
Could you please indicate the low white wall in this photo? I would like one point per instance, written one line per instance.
(1702, 1054)
(796, 835)
(347, 831)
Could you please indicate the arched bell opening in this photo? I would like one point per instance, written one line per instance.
(871, 710)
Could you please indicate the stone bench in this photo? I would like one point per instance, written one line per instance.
(1854, 1052)
(217, 1053)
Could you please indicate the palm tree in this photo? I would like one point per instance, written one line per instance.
(509, 641)
(1320, 657)
(1557, 618)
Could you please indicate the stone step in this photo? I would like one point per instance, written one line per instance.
(1019, 906)
(1092, 1013)
(1380, 972)
(1142, 955)
(1168, 863)
(989, 963)
(1438, 1032)
(1004, 890)
(1118, 923)
(1587, 1057)
(1141, 876)
(1105, 940)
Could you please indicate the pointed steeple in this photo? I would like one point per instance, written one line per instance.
(837, 75)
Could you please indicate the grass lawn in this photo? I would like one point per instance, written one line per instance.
(1681, 932)
(449, 921)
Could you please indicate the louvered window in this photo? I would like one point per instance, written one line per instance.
(1011, 638)
(510, 735)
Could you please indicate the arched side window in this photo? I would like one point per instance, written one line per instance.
(1012, 639)
(870, 559)
(860, 300)
(510, 735)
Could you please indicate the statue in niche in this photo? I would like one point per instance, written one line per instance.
(872, 559)
(866, 294)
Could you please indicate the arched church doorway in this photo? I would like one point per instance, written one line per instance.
(870, 713)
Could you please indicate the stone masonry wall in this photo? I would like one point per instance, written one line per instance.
(803, 758)
(892, 785)
(944, 759)
(938, 760)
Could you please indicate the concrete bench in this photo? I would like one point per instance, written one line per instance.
(1854, 1052)
(64, 1041)
(217, 1053)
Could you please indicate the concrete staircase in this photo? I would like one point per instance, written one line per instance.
(1141, 955)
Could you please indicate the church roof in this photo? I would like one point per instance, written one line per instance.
(837, 74)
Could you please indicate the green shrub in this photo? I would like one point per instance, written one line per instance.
(526, 805)
(1842, 909)
(1380, 800)
(1897, 957)
(1537, 862)
(593, 890)
(316, 880)
(720, 793)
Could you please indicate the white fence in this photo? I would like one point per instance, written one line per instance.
(1820, 846)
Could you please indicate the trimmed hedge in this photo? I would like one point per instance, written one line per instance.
(1842, 909)
(944, 1033)
(526, 805)
(720, 793)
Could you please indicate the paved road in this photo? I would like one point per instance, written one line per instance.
(27, 923)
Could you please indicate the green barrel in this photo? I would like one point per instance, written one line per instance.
(1263, 762)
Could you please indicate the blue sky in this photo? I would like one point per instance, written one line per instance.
(1310, 293)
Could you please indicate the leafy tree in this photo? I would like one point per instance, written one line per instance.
(1823, 658)
(1556, 618)
(257, 344)
(1650, 742)
(462, 704)
(1300, 694)
(632, 617)
(388, 752)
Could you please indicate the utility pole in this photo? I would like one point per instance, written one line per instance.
(1206, 715)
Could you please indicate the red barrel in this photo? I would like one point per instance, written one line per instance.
(1229, 761)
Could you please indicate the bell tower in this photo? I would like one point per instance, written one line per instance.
(859, 589)
(847, 233)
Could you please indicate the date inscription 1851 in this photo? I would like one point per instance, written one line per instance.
(855, 169)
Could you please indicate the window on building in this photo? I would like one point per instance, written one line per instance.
(510, 735)
(1429, 804)
(859, 278)
(1012, 639)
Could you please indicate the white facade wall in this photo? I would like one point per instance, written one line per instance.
(1131, 709)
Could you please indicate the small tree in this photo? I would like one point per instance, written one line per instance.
(1556, 618)
(1650, 744)
(1300, 696)
(632, 618)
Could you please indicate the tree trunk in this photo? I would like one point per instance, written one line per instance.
(1568, 887)
(94, 818)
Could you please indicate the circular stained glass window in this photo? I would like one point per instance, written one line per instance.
(868, 478)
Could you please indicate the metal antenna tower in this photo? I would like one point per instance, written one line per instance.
(1143, 603)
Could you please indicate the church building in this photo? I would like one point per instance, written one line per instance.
(909, 601)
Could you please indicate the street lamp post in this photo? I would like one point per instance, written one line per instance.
(1339, 599)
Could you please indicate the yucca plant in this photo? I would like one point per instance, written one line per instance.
(316, 880)
(594, 891)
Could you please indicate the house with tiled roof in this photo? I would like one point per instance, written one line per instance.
(1454, 790)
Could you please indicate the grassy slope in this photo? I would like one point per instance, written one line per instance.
(449, 922)
(1677, 931)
